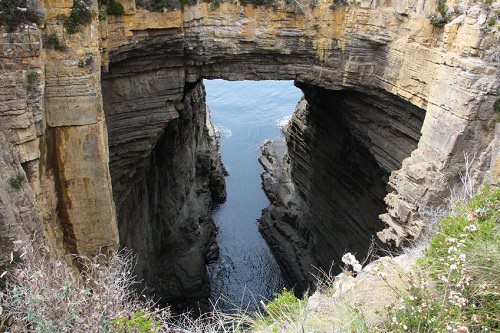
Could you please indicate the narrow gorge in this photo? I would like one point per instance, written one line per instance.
(115, 148)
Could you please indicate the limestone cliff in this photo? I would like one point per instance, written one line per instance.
(391, 97)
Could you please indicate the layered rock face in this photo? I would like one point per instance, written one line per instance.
(379, 64)
(163, 199)
(342, 147)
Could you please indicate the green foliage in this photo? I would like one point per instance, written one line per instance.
(284, 306)
(87, 62)
(437, 20)
(14, 13)
(456, 286)
(142, 321)
(470, 134)
(261, 2)
(440, 18)
(16, 181)
(492, 21)
(342, 3)
(215, 4)
(115, 8)
(102, 15)
(158, 5)
(81, 15)
(442, 7)
(32, 79)
(53, 42)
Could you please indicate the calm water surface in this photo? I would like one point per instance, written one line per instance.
(245, 113)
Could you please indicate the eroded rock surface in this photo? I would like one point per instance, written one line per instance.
(377, 55)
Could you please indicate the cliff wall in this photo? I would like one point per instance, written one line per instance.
(134, 79)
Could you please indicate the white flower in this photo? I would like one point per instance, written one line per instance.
(349, 259)
(462, 329)
(453, 267)
(471, 227)
(462, 257)
(357, 267)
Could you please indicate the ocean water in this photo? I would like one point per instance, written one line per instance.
(246, 114)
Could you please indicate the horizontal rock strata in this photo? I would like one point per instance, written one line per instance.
(376, 53)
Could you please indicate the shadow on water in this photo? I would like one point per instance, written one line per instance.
(245, 113)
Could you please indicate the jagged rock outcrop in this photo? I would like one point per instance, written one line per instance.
(342, 147)
(163, 203)
(367, 56)
(284, 223)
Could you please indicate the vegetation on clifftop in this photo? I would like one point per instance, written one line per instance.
(14, 13)
(81, 15)
(453, 287)
(456, 286)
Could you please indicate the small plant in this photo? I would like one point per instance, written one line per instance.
(142, 322)
(115, 8)
(32, 79)
(215, 4)
(440, 18)
(87, 62)
(14, 13)
(81, 15)
(159, 5)
(16, 182)
(284, 306)
(53, 42)
(339, 3)
(492, 21)
(102, 15)
(470, 134)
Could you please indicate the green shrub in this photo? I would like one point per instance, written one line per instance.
(215, 4)
(115, 8)
(16, 182)
(262, 2)
(338, 3)
(32, 79)
(441, 18)
(438, 20)
(142, 322)
(284, 306)
(14, 13)
(44, 294)
(87, 62)
(455, 287)
(103, 15)
(53, 42)
(492, 21)
(442, 8)
(81, 15)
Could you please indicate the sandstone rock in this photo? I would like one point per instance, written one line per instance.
(378, 54)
